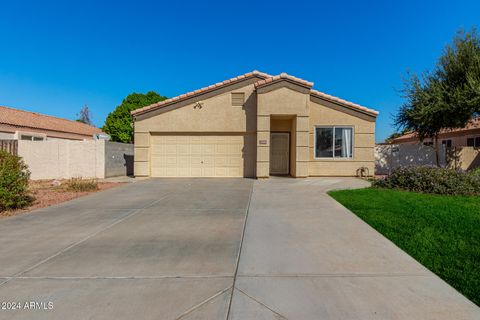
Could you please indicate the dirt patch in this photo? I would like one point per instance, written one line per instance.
(46, 194)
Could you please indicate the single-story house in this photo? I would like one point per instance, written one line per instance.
(254, 125)
(25, 125)
(469, 136)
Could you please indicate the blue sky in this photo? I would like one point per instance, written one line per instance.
(56, 56)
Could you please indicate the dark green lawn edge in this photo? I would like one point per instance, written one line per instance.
(440, 232)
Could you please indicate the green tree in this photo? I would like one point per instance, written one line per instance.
(119, 123)
(449, 96)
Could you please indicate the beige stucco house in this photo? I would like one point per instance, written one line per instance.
(468, 136)
(254, 125)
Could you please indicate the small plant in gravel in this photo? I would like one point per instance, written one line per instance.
(432, 180)
(14, 176)
(82, 185)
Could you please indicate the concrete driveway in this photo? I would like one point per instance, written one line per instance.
(179, 248)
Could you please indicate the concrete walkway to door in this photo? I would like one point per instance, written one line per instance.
(305, 256)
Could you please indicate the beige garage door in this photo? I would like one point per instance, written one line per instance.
(197, 155)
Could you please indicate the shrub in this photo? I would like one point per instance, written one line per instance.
(431, 180)
(14, 176)
(82, 185)
(476, 171)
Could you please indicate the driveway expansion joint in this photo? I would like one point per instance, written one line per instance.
(195, 307)
(240, 251)
(336, 275)
(118, 277)
(263, 305)
(129, 215)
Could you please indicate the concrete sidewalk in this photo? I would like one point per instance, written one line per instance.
(305, 256)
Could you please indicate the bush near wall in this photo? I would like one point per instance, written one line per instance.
(14, 176)
(432, 180)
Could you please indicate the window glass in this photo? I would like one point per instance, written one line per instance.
(334, 142)
(324, 140)
(27, 137)
(470, 142)
(477, 142)
(343, 142)
(37, 139)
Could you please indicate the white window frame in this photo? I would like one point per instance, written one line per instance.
(19, 134)
(333, 143)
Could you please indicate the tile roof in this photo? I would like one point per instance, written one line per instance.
(184, 96)
(285, 76)
(343, 102)
(473, 124)
(27, 119)
(267, 79)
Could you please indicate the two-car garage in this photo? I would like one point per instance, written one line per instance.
(200, 155)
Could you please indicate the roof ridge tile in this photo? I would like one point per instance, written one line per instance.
(198, 91)
(342, 101)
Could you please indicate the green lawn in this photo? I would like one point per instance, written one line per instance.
(441, 232)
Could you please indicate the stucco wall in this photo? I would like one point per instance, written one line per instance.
(464, 158)
(63, 159)
(323, 113)
(391, 156)
(6, 136)
(16, 130)
(118, 159)
(283, 99)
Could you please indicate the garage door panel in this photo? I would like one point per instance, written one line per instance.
(197, 155)
(170, 149)
(221, 172)
(209, 149)
(196, 149)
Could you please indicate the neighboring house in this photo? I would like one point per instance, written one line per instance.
(254, 125)
(461, 137)
(24, 125)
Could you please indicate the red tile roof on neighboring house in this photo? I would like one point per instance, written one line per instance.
(26, 119)
(473, 124)
(266, 79)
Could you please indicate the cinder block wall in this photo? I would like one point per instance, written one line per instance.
(64, 159)
(118, 159)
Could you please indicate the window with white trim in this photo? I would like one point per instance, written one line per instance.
(333, 142)
(31, 137)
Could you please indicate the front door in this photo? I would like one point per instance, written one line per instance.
(279, 152)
